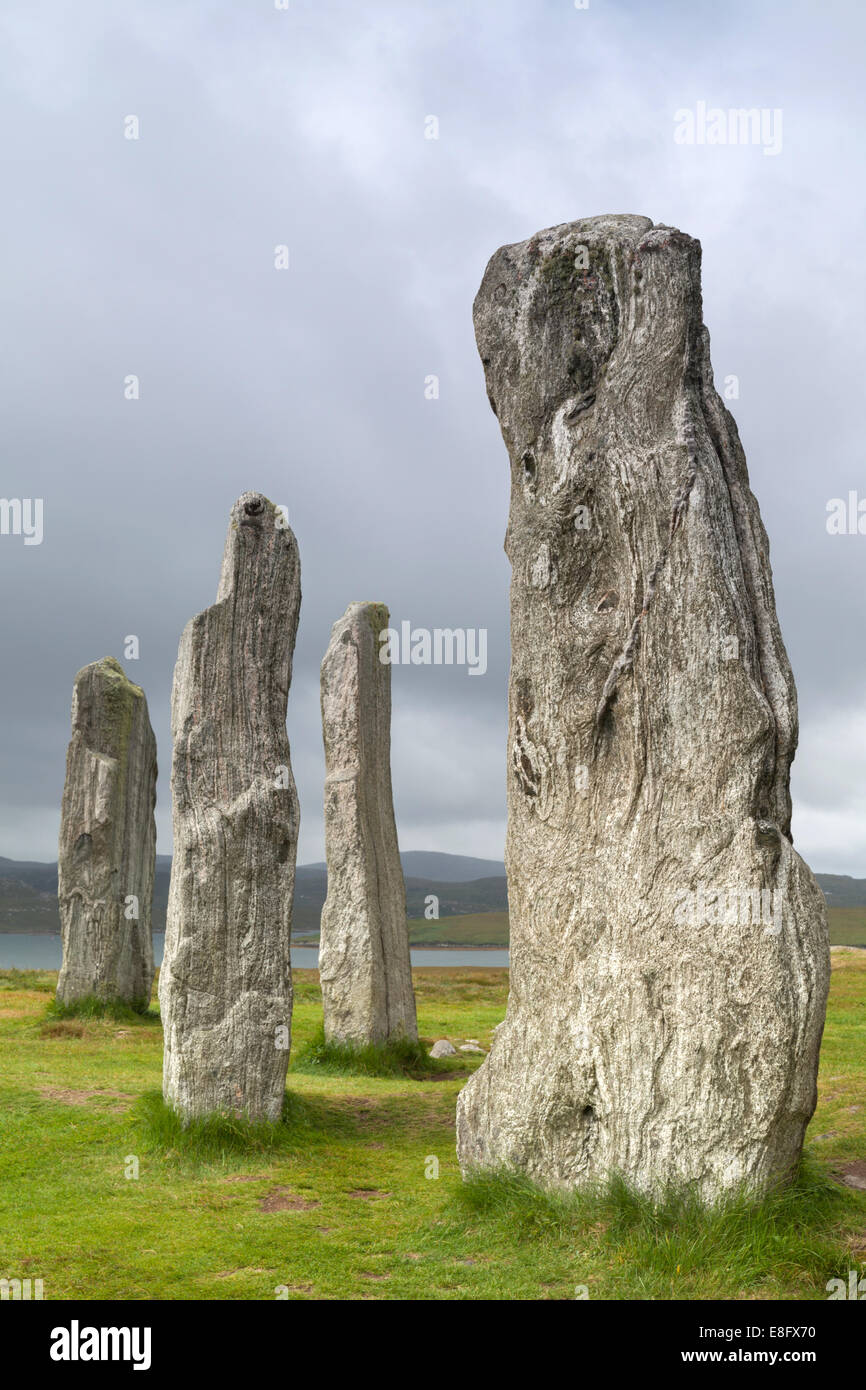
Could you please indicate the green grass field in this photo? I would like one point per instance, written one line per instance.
(467, 929)
(342, 1201)
(847, 928)
(463, 929)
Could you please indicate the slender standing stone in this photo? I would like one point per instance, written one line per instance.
(225, 986)
(107, 841)
(364, 962)
(669, 952)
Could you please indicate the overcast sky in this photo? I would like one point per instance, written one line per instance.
(305, 127)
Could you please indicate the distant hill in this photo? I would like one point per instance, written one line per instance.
(43, 877)
(23, 907)
(449, 868)
(464, 886)
(445, 868)
(841, 890)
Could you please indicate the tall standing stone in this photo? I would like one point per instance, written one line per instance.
(364, 962)
(225, 986)
(669, 952)
(107, 846)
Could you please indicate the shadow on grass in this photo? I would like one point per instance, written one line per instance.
(795, 1228)
(92, 1009)
(213, 1138)
(400, 1057)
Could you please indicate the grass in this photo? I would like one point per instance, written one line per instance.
(467, 929)
(356, 1193)
(847, 926)
(463, 929)
(92, 1006)
(400, 1057)
(674, 1241)
(217, 1139)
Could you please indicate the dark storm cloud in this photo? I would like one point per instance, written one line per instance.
(306, 128)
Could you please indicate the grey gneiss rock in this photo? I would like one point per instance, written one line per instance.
(443, 1048)
(364, 962)
(225, 985)
(107, 841)
(652, 1028)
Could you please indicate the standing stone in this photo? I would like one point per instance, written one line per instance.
(669, 950)
(225, 986)
(107, 842)
(364, 962)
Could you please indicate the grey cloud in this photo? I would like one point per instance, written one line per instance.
(259, 128)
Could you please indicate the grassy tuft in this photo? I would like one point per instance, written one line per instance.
(400, 1057)
(506, 1196)
(92, 1007)
(794, 1230)
(215, 1138)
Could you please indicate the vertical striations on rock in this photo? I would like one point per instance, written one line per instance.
(364, 961)
(225, 985)
(107, 846)
(669, 949)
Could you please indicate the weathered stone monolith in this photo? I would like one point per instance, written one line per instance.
(364, 962)
(225, 986)
(107, 842)
(669, 953)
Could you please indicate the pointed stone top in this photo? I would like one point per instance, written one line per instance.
(259, 536)
(254, 509)
(361, 621)
(559, 312)
(377, 615)
(108, 668)
(103, 701)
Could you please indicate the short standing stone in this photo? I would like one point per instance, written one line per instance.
(669, 953)
(443, 1048)
(107, 841)
(225, 985)
(364, 961)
